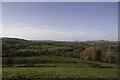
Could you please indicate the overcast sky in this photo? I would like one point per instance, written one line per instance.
(60, 21)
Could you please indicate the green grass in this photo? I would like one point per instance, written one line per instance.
(57, 61)
(60, 72)
(58, 67)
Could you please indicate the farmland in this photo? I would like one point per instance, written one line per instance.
(58, 67)
(25, 60)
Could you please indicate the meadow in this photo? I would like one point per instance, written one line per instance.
(57, 67)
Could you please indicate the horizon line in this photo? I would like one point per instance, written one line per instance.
(60, 40)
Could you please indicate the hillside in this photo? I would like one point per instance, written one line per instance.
(106, 51)
(7, 40)
(31, 60)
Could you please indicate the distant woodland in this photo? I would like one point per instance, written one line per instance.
(101, 50)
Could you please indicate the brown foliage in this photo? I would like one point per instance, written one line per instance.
(88, 53)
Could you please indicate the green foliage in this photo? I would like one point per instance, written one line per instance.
(25, 60)
(96, 50)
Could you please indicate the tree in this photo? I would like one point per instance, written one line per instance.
(98, 55)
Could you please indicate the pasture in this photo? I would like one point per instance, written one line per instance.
(56, 67)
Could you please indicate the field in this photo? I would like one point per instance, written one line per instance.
(56, 67)
(30, 60)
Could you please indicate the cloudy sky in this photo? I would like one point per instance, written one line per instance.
(60, 21)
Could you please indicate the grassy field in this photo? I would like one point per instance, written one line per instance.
(57, 67)
(58, 72)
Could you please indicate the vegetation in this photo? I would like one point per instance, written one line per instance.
(106, 51)
(57, 67)
(56, 59)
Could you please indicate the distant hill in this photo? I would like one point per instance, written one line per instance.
(17, 40)
(102, 42)
(7, 40)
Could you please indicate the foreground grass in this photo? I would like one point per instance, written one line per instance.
(57, 67)
(59, 72)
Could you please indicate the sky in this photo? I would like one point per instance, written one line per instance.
(60, 0)
(0, 19)
(66, 21)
